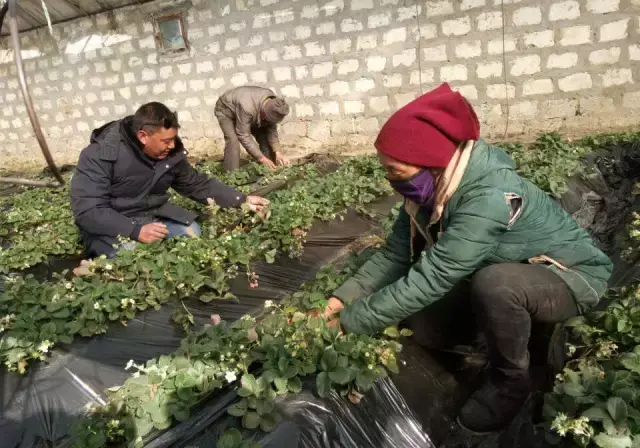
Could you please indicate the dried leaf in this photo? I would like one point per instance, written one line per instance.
(355, 397)
(252, 334)
(82, 271)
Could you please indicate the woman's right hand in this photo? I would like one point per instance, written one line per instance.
(334, 306)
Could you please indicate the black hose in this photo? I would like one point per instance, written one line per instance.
(3, 12)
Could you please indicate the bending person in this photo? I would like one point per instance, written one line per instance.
(468, 215)
(247, 113)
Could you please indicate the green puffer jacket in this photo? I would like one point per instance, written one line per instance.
(480, 227)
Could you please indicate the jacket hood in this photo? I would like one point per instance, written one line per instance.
(100, 134)
(485, 160)
(128, 134)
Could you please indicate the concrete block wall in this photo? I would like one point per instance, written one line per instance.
(344, 65)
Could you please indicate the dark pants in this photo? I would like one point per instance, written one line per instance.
(232, 144)
(504, 300)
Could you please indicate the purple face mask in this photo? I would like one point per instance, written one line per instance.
(418, 189)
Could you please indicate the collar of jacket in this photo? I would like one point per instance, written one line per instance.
(447, 185)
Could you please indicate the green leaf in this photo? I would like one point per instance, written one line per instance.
(181, 414)
(65, 339)
(230, 439)
(249, 444)
(238, 409)
(628, 394)
(365, 379)
(283, 363)
(268, 423)
(309, 368)
(250, 383)
(329, 359)
(596, 414)
(392, 332)
(264, 407)
(291, 371)
(281, 385)
(251, 420)
(406, 332)
(185, 381)
(341, 375)
(607, 441)
(158, 414)
(295, 385)
(618, 409)
(573, 390)
(244, 392)
(631, 361)
(323, 384)
(144, 425)
(270, 256)
(155, 378)
(331, 333)
(391, 365)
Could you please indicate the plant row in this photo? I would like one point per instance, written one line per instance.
(596, 399)
(37, 223)
(267, 357)
(34, 315)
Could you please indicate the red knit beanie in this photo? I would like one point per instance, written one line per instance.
(427, 131)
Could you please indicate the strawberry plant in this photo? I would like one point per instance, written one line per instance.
(632, 252)
(595, 401)
(549, 162)
(267, 357)
(38, 223)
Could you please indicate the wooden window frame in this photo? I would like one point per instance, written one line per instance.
(158, 33)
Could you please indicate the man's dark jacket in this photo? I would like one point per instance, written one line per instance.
(116, 188)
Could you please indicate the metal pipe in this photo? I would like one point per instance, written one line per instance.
(26, 95)
(30, 182)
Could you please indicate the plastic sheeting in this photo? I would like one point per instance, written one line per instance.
(603, 202)
(416, 408)
(37, 409)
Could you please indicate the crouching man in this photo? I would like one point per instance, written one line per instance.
(120, 185)
(249, 111)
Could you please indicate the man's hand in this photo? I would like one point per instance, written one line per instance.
(258, 205)
(281, 160)
(267, 162)
(153, 232)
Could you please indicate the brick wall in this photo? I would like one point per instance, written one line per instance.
(345, 65)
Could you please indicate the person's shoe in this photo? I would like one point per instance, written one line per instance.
(495, 404)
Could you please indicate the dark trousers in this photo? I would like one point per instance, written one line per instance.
(232, 144)
(504, 301)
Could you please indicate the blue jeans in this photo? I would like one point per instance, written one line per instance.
(175, 229)
(178, 229)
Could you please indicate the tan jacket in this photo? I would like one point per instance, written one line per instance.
(244, 106)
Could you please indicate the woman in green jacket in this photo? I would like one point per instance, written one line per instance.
(467, 214)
